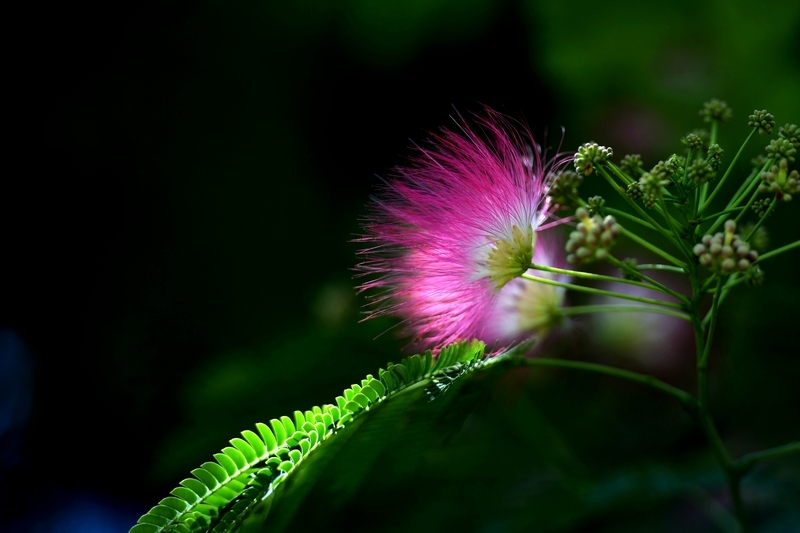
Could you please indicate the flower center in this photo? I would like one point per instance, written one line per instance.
(539, 308)
(511, 258)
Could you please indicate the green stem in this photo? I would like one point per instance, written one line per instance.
(728, 286)
(721, 214)
(746, 207)
(745, 463)
(600, 292)
(736, 201)
(585, 309)
(688, 160)
(747, 192)
(696, 203)
(743, 187)
(682, 396)
(600, 277)
(727, 173)
(653, 248)
(702, 199)
(714, 310)
(638, 209)
(624, 177)
(706, 285)
(712, 140)
(673, 199)
(777, 251)
(752, 181)
(673, 226)
(627, 180)
(663, 288)
(761, 220)
(732, 280)
(669, 268)
(704, 414)
(682, 192)
(623, 214)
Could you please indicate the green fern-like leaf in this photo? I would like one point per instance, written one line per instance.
(239, 484)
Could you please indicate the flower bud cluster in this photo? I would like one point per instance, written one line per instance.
(693, 141)
(760, 239)
(589, 155)
(664, 169)
(564, 188)
(715, 153)
(760, 207)
(726, 252)
(652, 186)
(592, 238)
(700, 171)
(674, 166)
(631, 164)
(636, 192)
(595, 205)
(762, 120)
(704, 135)
(716, 109)
(780, 181)
(791, 133)
(754, 276)
(759, 161)
(781, 149)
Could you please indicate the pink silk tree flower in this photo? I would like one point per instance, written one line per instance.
(523, 307)
(454, 227)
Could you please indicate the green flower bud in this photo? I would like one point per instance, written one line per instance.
(632, 164)
(754, 276)
(780, 181)
(704, 135)
(564, 187)
(715, 156)
(759, 161)
(589, 155)
(593, 238)
(791, 133)
(781, 149)
(596, 204)
(675, 164)
(651, 189)
(659, 172)
(759, 240)
(725, 253)
(693, 141)
(652, 184)
(649, 200)
(634, 191)
(716, 110)
(762, 120)
(700, 171)
(760, 207)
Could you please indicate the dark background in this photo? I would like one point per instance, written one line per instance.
(183, 182)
